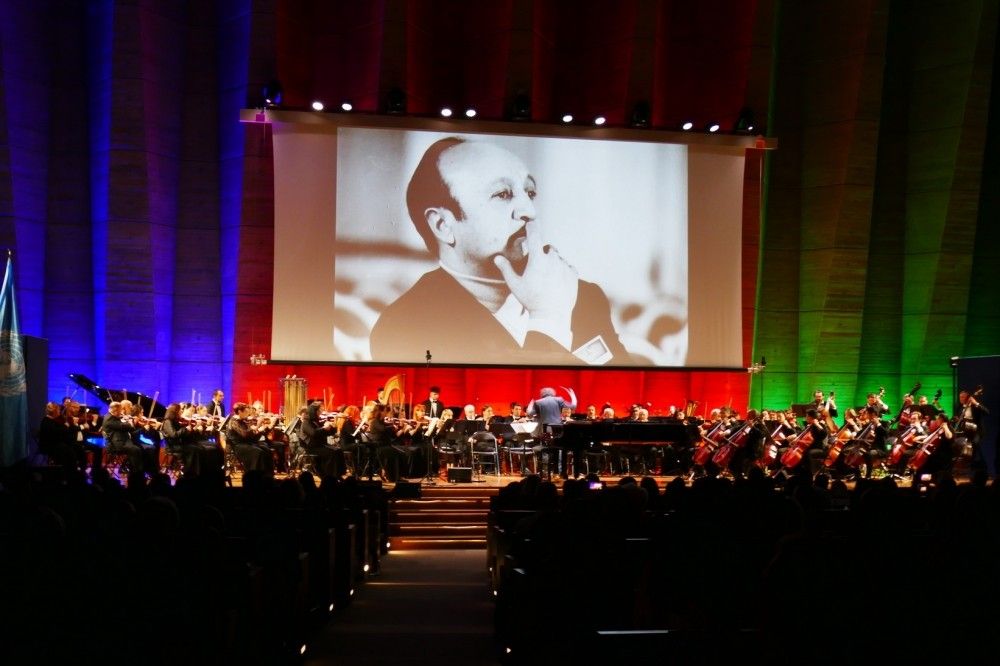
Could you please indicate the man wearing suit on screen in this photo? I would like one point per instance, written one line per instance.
(500, 289)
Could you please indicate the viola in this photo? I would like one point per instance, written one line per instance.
(793, 456)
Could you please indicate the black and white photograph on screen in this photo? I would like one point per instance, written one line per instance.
(488, 249)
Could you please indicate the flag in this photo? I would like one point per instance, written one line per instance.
(13, 384)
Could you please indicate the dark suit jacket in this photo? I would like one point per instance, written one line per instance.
(438, 313)
(427, 408)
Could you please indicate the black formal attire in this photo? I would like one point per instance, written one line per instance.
(378, 441)
(252, 452)
(58, 441)
(197, 451)
(971, 422)
(314, 439)
(405, 328)
(433, 410)
(217, 409)
(118, 439)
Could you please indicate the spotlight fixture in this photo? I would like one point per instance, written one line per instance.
(640, 114)
(445, 112)
(688, 125)
(745, 123)
(317, 106)
(470, 113)
(395, 101)
(567, 118)
(600, 120)
(520, 108)
(346, 106)
(271, 93)
(713, 127)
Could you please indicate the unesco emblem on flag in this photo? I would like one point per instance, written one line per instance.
(12, 378)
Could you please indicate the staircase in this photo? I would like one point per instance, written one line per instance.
(451, 516)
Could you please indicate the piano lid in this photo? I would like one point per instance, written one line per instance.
(107, 396)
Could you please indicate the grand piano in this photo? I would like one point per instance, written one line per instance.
(109, 395)
(577, 434)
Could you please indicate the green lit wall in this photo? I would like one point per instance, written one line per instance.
(879, 237)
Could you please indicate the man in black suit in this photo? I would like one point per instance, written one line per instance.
(433, 407)
(506, 293)
(217, 407)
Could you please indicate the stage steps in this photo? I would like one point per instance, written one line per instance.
(447, 516)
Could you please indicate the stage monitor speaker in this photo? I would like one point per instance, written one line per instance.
(406, 490)
(459, 475)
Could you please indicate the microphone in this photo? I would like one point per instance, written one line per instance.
(428, 355)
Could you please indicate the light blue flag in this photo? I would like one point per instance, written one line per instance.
(13, 384)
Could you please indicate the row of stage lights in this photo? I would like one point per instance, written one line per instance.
(521, 111)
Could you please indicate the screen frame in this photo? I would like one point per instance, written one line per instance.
(735, 144)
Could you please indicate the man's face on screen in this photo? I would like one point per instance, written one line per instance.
(496, 194)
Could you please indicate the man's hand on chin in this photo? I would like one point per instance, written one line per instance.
(548, 286)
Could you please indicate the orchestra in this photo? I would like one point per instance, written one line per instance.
(396, 441)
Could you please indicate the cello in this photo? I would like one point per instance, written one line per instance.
(929, 446)
(724, 455)
(843, 436)
(710, 443)
(797, 449)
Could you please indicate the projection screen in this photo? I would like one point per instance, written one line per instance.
(504, 249)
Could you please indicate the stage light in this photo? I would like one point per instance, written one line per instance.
(567, 118)
(520, 108)
(687, 125)
(470, 113)
(600, 120)
(271, 93)
(395, 101)
(318, 106)
(640, 114)
(446, 112)
(713, 127)
(331, 608)
(346, 106)
(366, 568)
(745, 123)
(302, 650)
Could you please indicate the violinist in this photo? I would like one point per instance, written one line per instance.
(254, 454)
(146, 435)
(188, 438)
(316, 433)
(56, 438)
(413, 440)
(380, 437)
(118, 437)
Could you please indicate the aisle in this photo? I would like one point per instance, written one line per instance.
(427, 607)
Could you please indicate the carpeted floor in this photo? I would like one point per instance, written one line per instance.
(426, 607)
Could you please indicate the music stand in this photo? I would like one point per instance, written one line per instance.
(430, 475)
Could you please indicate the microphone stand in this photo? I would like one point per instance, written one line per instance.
(430, 476)
(758, 369)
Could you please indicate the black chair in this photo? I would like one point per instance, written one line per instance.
(484, 448)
